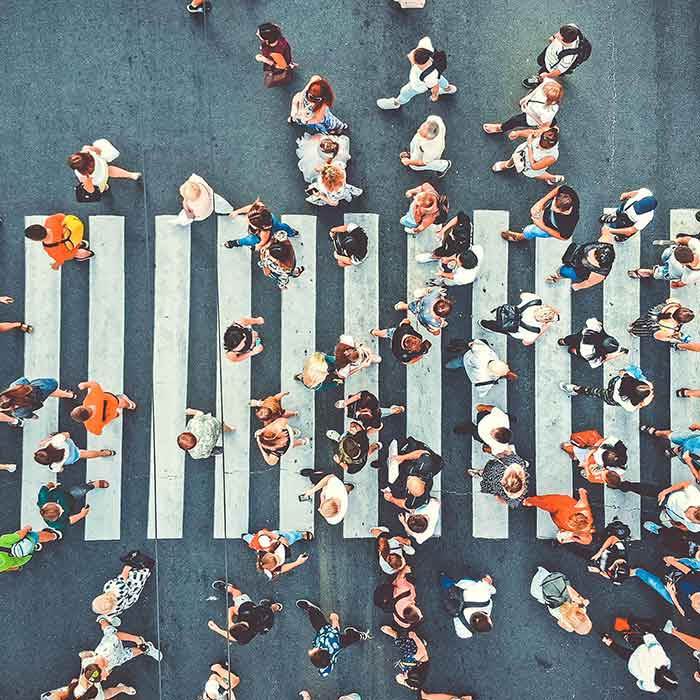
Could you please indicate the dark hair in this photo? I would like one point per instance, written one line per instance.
(241, 632)
(351, 447)
(683, 315)
(551, 135)
(683, 253)
(569, 32)
(264, 413)
(84, 163)
(613, 479)
(320, 92)
(604, 255)
(412, 614)
(440, 61)
(468, 259)
(481, 622)
(503, 435)
(186, 441)
(332, 149)
(610, 345)
(665, 678)
(49, 455)
(612, 459)
(634, 390)
(260, 217)
(394, 561)
(422, 55)
(283, 252)
(417, 522)
(269, 32)
(320, 658)
(413, 343)
(90, 670)
(81, 414)
(36, 232)
(443, 307)
(564, 200)
(233, 336)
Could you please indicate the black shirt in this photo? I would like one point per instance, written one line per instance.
(400, 353)
(563, 223)
(371, 417)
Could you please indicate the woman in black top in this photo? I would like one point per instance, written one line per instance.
(610, 560)
(407, 344)
(593, 344)
(364, 407)
(588, 264)
(275, 439)
(553, 216)
(241, 341)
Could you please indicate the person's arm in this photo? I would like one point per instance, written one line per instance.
(244, 209)
(676, 564)
(193, 412)
(413, 191)
(593, 279)
(609, 542)
(398, 502)
(262, 59)
(688, 459)
(338, 229)
(82, 513)
(334, 619)
(294, 564)
(627, 195)
(88, 384)
(674, 487)
(128, 637)
(318, 486)
(415, 454)
(24, 531)
(671, 588)
(222, 632)
(251, 321)
(577, 598)
(421, 650)
(521, 133)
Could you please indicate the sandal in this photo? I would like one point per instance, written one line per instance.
(682, 392)
(25, 328)
(552, 279)
(648, 429)
(101, 484)
(474, 473)
(634, 274)
(492, 128)
(308, 535)
(512, 236)
(499, 166)
(131, 405)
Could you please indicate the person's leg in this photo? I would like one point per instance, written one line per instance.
(425, 695)
(551, 502)
(250, 240)
(116, 171)
(517, 121)
(406, 94)
(446, 582)
(654, 582)
(10, 326)
(351, 635)
(439, 166)
(79, 492)
(623, 652)
(316, 617)
(532, 231)
(93, 454)
(687, 639)
(597, 392)
(126, 403)
(292, 536)
(641, 488)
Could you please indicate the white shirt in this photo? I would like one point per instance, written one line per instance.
(431, 80)
(550, 56)
(472, 592)
(59, 442)
(679, 501)
(335, 488)
(645, 661)
(464, 276)
(430, 510)
(476, 364)
(429, 150)
(641, 221)
(586, 350)
(537, 106)
(528, 317)
(495, 419)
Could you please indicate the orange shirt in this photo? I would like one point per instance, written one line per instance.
(104, 406)
(64, 235)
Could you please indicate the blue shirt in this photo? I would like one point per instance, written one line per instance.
(328, 638)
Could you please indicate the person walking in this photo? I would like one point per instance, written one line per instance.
(319, 372)
(352, 449)
(13, 325)
(535, 156)
(278, 261)
(275, 55)
(563, 602)
(427, 147)
(407, 344)
(491, 428)
(63, 238)
(426, 75)
(574, 518)
(334, 496)
(262, 226)
(593, 344)
(56, 504)
(538, 109)
(506, 477)
(316, 150)
(682, 444)
(92, 167)
(634, 213)
(680, 585)
(553, 216)
(664, 322)
(364, 408)
(470, 602)
(100, 407)
(25, 396)
(58, 451)
(427, 207)
(122, 592)
(197, 200)
(350, 244)
(221, 683)
(414, 662)
(276, 439)
(270, 408)
(431, 307)
(412, 466)
(611, 559)
(680, 262)
(404, 607)
(587, 264)
(392, 550)
(526, 321)
(481, 363)
(201, 437)
(680, 508)
(331, 186)
(329, 640)
(596, 456)
(628, 389)
(17, 548)
(420, 523)
(241, 342)
(565, 51)
(311, 108)
(273, 547)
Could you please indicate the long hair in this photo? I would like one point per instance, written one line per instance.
(320, 92)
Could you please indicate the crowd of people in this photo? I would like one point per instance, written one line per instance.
(407, 466)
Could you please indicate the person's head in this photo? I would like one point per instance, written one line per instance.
(333, 177)
(546, 314)
(665, 678)
(429, 129)
(415, 486)
(683, 254)
(513, 482)
(35, 232)
(395, 561)
(427, 200)
(329, 147)
(638, 392)
(319, 93)
(578, 522)
(553, 92)
(468, 259)
(351, 447)
(443, 307)
(348, 355)
(693, 513)
(234, 335)
(264, 414)
(51, 512)
(421, 55)
(320, 658)
(269, 33)
(283, 253)
(49, 455)
(80, 414)
(417, 523)
(564, 201)
(481, 622)
(604, 256)
(92, 673)
(612, 459)
(695, 602)
(268, 561)
(412, 343)
(84, 163)
(268, 437)
(412, 614)
(191, 191)
(550, 137)
(330, 508)
(186, 441)
(105, 603)
(683, 315)
(613, 479)
(645, 205)
(498, 368)
(569, 33)
(240, 632)
(260, 217)
(502, 435)
(576, 616)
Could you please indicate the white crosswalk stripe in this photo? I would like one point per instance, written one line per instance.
(298, 333)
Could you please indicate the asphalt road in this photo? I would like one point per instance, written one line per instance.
(179, 95)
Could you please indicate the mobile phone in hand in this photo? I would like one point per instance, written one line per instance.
(303, 497)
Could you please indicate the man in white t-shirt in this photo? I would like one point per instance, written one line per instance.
(420, 523)
(427, 147)
(475, 605)
(634, 213)
(680, 506)
(482, 365)
(425, 75)
(491, 428)
(551, 61)
(456, 270)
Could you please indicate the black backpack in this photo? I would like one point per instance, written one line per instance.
(582, 53)
(554, 590)
(509, 316)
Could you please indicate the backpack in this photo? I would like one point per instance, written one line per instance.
(582, 53)
(352, 243)
(22, 548)
(509, 317)
(554, 590)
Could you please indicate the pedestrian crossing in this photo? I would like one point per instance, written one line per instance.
(230, 501)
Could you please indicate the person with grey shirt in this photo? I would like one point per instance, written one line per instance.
(202, 434)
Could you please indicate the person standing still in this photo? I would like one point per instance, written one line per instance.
(427, 147)
(275, 55)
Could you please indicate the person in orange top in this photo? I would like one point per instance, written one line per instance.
(62, 237)
(100, 407)
(596, 456)
(573, 518)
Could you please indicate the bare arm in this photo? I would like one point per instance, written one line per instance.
(193, 412)
(593, 279)
(318, 486)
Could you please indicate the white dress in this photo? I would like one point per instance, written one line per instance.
(522, 161)
(310, 155)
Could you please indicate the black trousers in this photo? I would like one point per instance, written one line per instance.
(641, 488)
(349, 636)
(519, 121)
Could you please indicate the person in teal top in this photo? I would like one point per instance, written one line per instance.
(56, 504)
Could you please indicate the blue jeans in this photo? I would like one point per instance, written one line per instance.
(252, 239)
(653, 581)
(408, 93)
(532, 231)
(446, 582)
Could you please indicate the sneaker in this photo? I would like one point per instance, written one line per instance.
(407, 549)
(425, 258)
(219, 585)
(294, 233)
(333, 435)
(668, 627)
(531, 82)
(11, 468)
(381, 528)
(196, 10)
(569, 389)
(151, 651)
(607, 218)
(306, 472)
(444, 172)
(388, 103)
(450, 90)
(19, 423)
(303, 604)
(232, 244)
(652, 527)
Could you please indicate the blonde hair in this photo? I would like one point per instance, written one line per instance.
(577, 617)
(191, 190)
(546, 314)
(104, 604)
(332, 177)
(554, 92)
(315, 370)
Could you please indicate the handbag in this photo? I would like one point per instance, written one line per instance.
(82, 196)
(273, 78)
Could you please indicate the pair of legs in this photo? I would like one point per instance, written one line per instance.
(597, 392)
(517, 121)
(529, 233)
(407, 93)
(79, 492)
(116, 171)
(15, 325)
(350, 635)
(94, 454)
